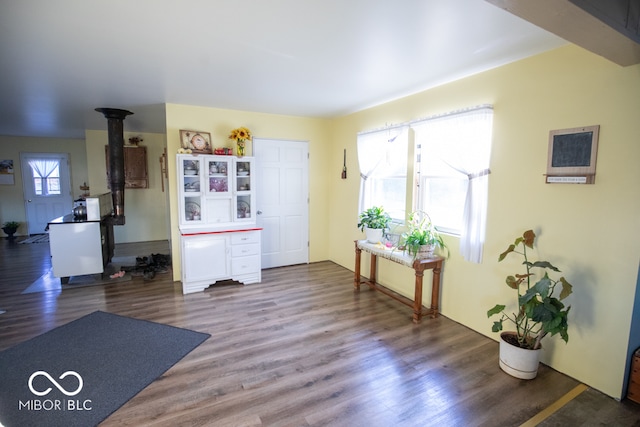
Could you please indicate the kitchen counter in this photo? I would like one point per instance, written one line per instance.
(69, 219)
(79, 247)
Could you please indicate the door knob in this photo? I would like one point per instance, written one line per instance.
(259, 212)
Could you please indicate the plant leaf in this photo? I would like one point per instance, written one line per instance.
(507, 252)
(546, 313)
(529, 238)
(544, 264)
(567, 288)
(512, 282)
(528, 308)
(495, 310)
(497, 326)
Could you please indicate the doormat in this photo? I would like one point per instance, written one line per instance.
(38, 238)
(80, 373)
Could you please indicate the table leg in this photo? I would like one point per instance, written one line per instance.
(372, 270)
(417, 297)
(435, 290)
(356, 273)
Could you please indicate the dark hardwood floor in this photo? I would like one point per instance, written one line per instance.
(301, 349)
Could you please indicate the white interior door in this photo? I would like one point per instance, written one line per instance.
(283, 200)
(46, 188)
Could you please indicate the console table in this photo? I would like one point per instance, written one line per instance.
(400, 257)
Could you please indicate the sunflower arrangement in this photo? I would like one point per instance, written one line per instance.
(240, 135)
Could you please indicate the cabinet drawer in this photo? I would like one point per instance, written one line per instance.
(245, 250)
(245, 265)
(240, 238)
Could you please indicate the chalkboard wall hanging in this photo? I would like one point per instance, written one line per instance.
(572, 155)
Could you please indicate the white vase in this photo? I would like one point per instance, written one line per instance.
(426, 251)
(518, 362)
(374, 235)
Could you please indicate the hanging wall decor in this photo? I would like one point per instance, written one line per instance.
(196, 141)
(6, 172)
(344, 165)
(572, 155)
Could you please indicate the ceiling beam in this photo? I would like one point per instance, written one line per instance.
(566, 20)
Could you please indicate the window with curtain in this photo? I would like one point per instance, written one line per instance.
(382, 157)
(46, 177)
(453, 152)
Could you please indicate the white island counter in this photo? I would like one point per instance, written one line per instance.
(79, 247)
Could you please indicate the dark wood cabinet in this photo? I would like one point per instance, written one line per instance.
(136, 174)
(633, 392)
(108, 241)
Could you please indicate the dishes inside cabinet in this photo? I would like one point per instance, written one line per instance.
(192, 186)
(218, 168)
(243, 168)
(190, 167)
(218, 185)
(244, 209)
(192, 211)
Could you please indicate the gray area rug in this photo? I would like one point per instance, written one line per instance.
(80, 373)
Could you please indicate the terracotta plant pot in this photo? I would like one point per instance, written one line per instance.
(518, 362)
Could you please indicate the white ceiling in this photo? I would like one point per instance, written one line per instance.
(321, 58)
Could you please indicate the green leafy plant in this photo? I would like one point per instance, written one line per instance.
(539, 311)
(421, 232)
(374, 217)
(11, 225)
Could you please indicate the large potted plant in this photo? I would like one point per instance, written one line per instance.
(422, 237)
(373, 222)
(10, 228)
(539, 311)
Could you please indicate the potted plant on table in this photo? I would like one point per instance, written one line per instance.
(10, 228)
(422, 237)
(373, 222)
(539, 312)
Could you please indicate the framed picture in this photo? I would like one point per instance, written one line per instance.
(572, 153)
(196, 141)
(6, 172)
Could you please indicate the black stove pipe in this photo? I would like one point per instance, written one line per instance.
(115, 118)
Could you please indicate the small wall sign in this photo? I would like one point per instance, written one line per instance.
(572, 155)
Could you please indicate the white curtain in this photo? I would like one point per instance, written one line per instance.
(43, 168)
(464, 143)
(381, 153)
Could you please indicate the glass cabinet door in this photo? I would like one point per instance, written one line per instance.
(190, 191)
(216, 191)
(244, 189)
(218, 171)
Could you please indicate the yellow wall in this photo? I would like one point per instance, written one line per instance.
(589, 231)
(145, 209)
(11, 196)
(219, 123)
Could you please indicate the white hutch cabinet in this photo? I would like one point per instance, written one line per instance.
(219, 237)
